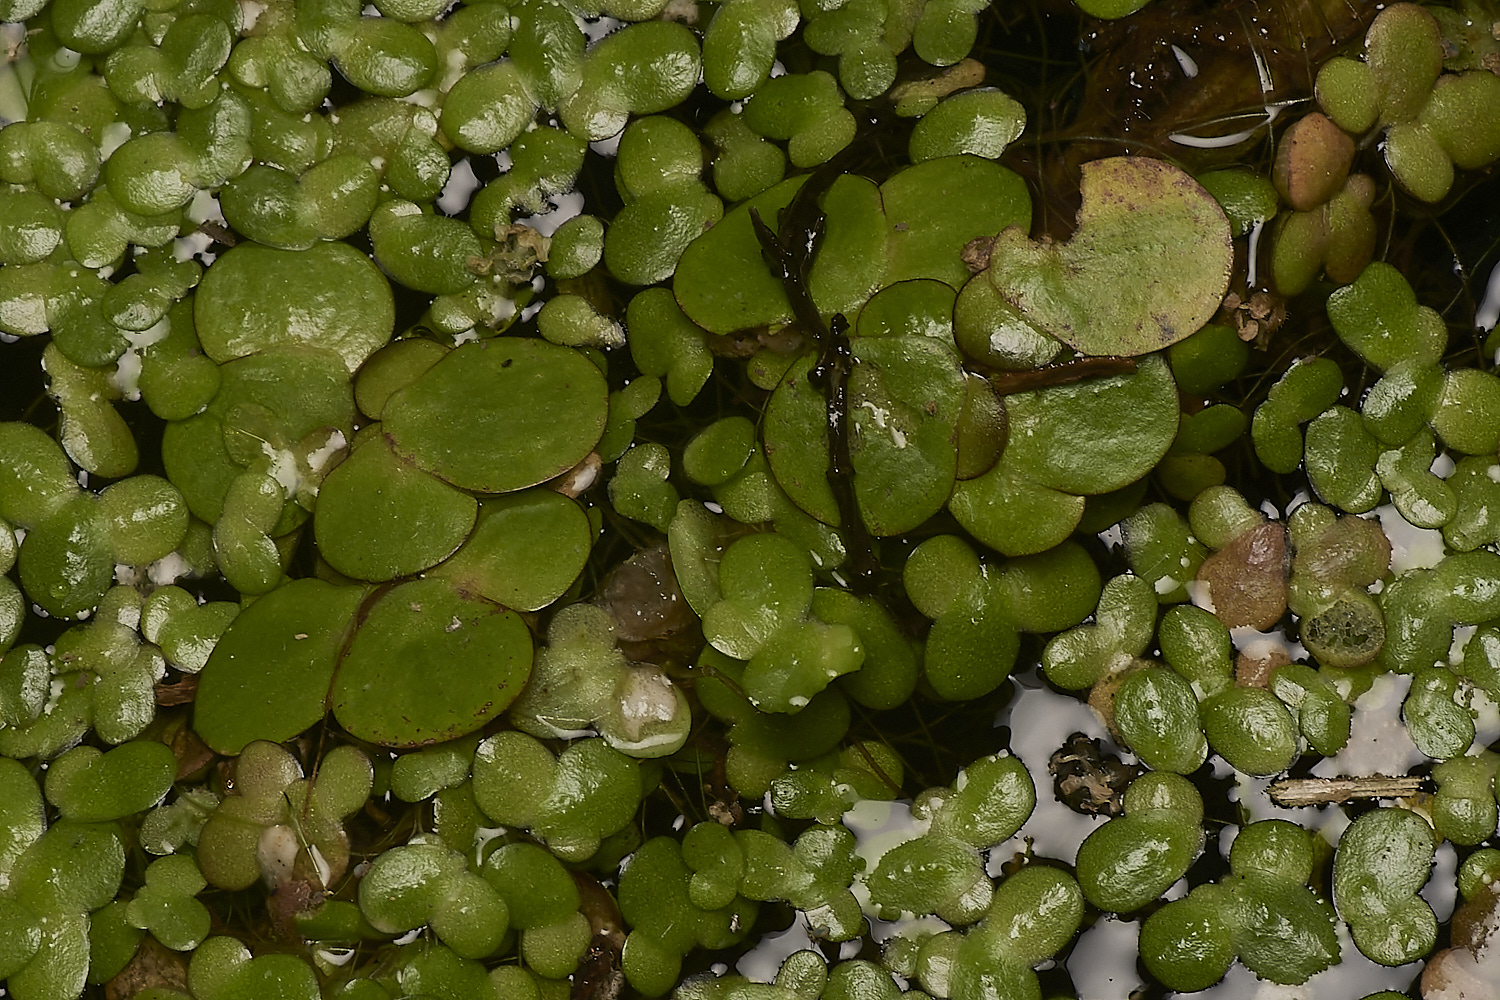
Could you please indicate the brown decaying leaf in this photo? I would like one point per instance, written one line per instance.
(599, 976)
(1255, 319)
(1255, 671)
(642, 596)
(1247, 578)
(155, 966)
(1312, 161)
(1087, 780)
(1470, 969)
(180, 693)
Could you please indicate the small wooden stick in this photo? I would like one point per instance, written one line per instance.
(1291, 793)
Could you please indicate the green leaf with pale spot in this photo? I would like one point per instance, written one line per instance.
(1147, 266)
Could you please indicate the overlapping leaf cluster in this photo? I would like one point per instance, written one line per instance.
(408, 540)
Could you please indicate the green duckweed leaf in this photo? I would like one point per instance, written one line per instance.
(1246, 197)
(72, 867)
(924, 874)
(1147, 266)
(269, 674)
(94, 787)
(664, 342)
(933, 209)
(274, 409)
(796, 441)
(973, 643)
(427, 253)
(722, 282)
(525, 551)
(1008, 510)
(905, 397)
(166, 905)
(22, 814)
(20, 936)
(981, 122)
(59, 968)
(767, 584)
(379, 518)
(35, 476)
(888, 675)
(799, 661)
(640, 489)
(1379, 319)
(67, 561)
(648, 236)
(329, 296)
(642, 69)
(1094, 436)
(920, 308)
(1384, 858)
(500, 415)
(1404, 50)
(430, 664)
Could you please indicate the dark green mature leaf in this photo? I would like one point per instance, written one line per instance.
(430, 664)
(500, 415)
(268, 676)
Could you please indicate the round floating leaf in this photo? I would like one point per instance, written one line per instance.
(797, 662)
(500, 415)
(924, 875)
(1012, 513)
(427, 253)
(982, 122)
(973, 643)
(525, 551)
(1094, 436)
(719, 451)
(329, 296)
(72, 867)
(1147, 266)
(722, 282)
(540, 891)
(429, 664)
(648, 236)
(66, 560)
(379, 518)
(935, 208)
(268, 676)
(394, 366)
(920, 308)
(35, 476)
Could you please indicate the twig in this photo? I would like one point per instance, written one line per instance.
(1293, 792)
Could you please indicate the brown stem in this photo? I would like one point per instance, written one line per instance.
(1064, 373)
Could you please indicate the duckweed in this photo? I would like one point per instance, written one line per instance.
(537, 499)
